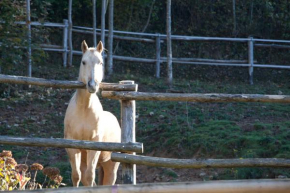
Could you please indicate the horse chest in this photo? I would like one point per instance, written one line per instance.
(84, 126)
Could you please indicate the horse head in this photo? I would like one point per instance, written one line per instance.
(91, 67)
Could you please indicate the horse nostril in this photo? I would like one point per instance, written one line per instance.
(92, 84)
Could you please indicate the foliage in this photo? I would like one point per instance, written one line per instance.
(15, 176)
(13, 36)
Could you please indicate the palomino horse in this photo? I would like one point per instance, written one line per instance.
(86, 120)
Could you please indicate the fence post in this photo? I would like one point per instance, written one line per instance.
(110, 39)
(169, 45)
(103, 17)
(70, 58)
(251, 58)
(28, 24)
(158, 50)
(64, 41)
(128, 111)
(94, 24)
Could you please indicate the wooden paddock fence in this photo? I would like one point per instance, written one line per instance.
(126, 91)
(66, 47)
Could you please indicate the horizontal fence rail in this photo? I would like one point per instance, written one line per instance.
(224, 186)
(200, 163)
(273, 46)
(186, 37)
(117, 37)
(77, 144)
(65, 84)
(46, 24)
(211, 97)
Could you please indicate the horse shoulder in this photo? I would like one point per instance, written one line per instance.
(110, 126)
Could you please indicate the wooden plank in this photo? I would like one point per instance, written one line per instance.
(200, 163)
(65, 84)
(217, 186)
(204, 98)
(115, 86)
(128, 111)
(76, 144)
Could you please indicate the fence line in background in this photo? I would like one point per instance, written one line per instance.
(183, 37)
(158, 39)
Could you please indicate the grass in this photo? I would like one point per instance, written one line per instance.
(167, 129)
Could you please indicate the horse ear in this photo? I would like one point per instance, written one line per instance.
(84, 46)
(100, 47)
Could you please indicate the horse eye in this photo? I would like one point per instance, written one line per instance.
(83, 62)
(101, 63)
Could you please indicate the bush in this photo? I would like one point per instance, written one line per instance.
(15, 176)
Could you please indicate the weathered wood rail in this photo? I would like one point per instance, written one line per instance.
(207, 97)
(65, 84)
(77, 144)
(200, 163)
(224, 186)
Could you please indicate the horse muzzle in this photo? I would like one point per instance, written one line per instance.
(92, 86)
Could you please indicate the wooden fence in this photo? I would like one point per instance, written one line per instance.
(191, 163)
(158, 39)
(225, 186)
(126, 91)
(127, 144)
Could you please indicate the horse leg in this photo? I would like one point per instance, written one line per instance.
(92, 161)
(110, 172)
(75, 162)
(100, 175)
(83, 165)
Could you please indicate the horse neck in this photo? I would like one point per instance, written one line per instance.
(85, 100)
